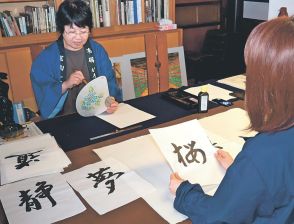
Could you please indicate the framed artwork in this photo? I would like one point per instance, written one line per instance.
(135, 72)
(177, 67)
(117, 64)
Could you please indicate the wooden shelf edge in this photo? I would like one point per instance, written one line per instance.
(31, 39)
(196, 25)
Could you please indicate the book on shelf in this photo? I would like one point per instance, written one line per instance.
(32, 20)
(20, 20)
(129, 12)
(100, 13)
(6, 30)
(27, 22)
(122, 12)
(106, 13)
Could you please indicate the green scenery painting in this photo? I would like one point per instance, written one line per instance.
(174, 70)
(139, 73)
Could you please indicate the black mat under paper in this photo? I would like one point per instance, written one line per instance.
(74, 131)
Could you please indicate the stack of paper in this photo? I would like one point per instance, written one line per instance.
(144, 157)
(231, 125)
(30, 157)
(238, 81)
(179, 145)
(213, 91)
(107, 185)
(44, 199)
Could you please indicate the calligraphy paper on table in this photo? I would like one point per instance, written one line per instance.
(238, 81)
(189, 152)
(126, 115)
(30, 157)
(221, 143)
(143, 156)
(213, 91)
(107, 185)
(44, 199)
(91, 99)
(230, 125)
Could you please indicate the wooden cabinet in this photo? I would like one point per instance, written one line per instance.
(18, 52)
(196, 17)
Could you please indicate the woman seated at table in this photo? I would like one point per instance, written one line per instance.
(258, 186)
(59, 71)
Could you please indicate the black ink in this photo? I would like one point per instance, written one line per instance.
(29, 201)
(25, 159)
(191, 156)
(217, 146)
(101, 176)
(180, 157)
(193, 153)
(43, 191)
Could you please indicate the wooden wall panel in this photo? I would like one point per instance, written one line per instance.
(19, 64)
(120, 46)
(4, 68)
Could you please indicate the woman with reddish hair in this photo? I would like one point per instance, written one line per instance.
(258, 186)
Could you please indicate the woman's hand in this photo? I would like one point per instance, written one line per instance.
(175, 181)
(224, 158)
(111, 104)
(75, 79)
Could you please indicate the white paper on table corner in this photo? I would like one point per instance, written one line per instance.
(63, 203)
(31, 156)
(189, 152)
(230, 125)
(142, 155)
(108, 184)
(214, 92)
(237, 81)
(91, 99)
(125, 115)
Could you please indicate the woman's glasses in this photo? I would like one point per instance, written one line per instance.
(75, 33)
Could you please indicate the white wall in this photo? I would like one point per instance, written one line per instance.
(275, 5)
(264, 11)
(256, 10)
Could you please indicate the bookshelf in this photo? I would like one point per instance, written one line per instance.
(117, 39)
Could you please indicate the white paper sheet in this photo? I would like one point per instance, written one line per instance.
(229, 125)
(213, 91)
(91, 99)
(126, 115)
(189, 152)
(143, 156)
(30, 157)
(63, 204)
(32, 130)
(220, 143)
(108, 189)
(238, 81)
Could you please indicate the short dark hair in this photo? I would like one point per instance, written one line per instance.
(73, 12)
(269, 55)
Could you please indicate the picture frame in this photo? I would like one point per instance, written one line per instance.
(135, 75)
(117, 64)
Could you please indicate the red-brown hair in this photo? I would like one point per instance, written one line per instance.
(269, 57)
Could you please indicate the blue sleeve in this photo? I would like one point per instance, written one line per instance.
(104, 67)
(45, 78)
(239, 198)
